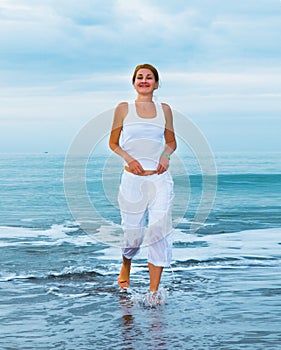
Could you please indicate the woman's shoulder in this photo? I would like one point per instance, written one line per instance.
(122, 105)
(121, 110)
(166, 107)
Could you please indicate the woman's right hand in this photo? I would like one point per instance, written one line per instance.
(135, 167)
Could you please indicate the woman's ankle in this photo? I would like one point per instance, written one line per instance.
(126, 262)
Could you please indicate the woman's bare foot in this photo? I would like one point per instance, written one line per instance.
(124, 276)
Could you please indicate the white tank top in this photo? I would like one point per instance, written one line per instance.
(143, 138)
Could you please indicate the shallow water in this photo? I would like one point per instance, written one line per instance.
(224, 292)
(58, 286)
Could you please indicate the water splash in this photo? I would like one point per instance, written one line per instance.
(149, 299)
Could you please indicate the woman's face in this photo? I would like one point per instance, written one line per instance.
(145, 81)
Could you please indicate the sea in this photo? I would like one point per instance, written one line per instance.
(58, 275)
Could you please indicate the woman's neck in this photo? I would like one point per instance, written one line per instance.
(144, 98)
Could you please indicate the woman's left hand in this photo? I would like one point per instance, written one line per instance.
(163, 165)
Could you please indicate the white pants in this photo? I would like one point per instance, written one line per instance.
(147, 199)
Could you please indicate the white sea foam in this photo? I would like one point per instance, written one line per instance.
(262, 244)
(55, 235)
(56, 291)
(186, 221)
(149, 299)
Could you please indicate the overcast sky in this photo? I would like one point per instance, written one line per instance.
(62, 62)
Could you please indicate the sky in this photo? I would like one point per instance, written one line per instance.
(63, 62)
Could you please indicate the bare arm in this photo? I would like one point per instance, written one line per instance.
(119, 114)
(170, 140)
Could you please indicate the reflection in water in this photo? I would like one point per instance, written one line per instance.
(129, 331)
(140, 320)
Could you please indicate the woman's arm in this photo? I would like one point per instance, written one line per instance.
(170, 140)
(119, 114)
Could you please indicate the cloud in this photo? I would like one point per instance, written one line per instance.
(150, 20)
(63, 61)
(69, 37)
(253, 36)
(242, 83)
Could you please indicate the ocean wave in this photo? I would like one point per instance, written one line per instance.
(54, 232)
(55, 235)
(65, 274)
(243, 248)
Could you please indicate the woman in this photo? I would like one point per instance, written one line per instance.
(143, 135)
